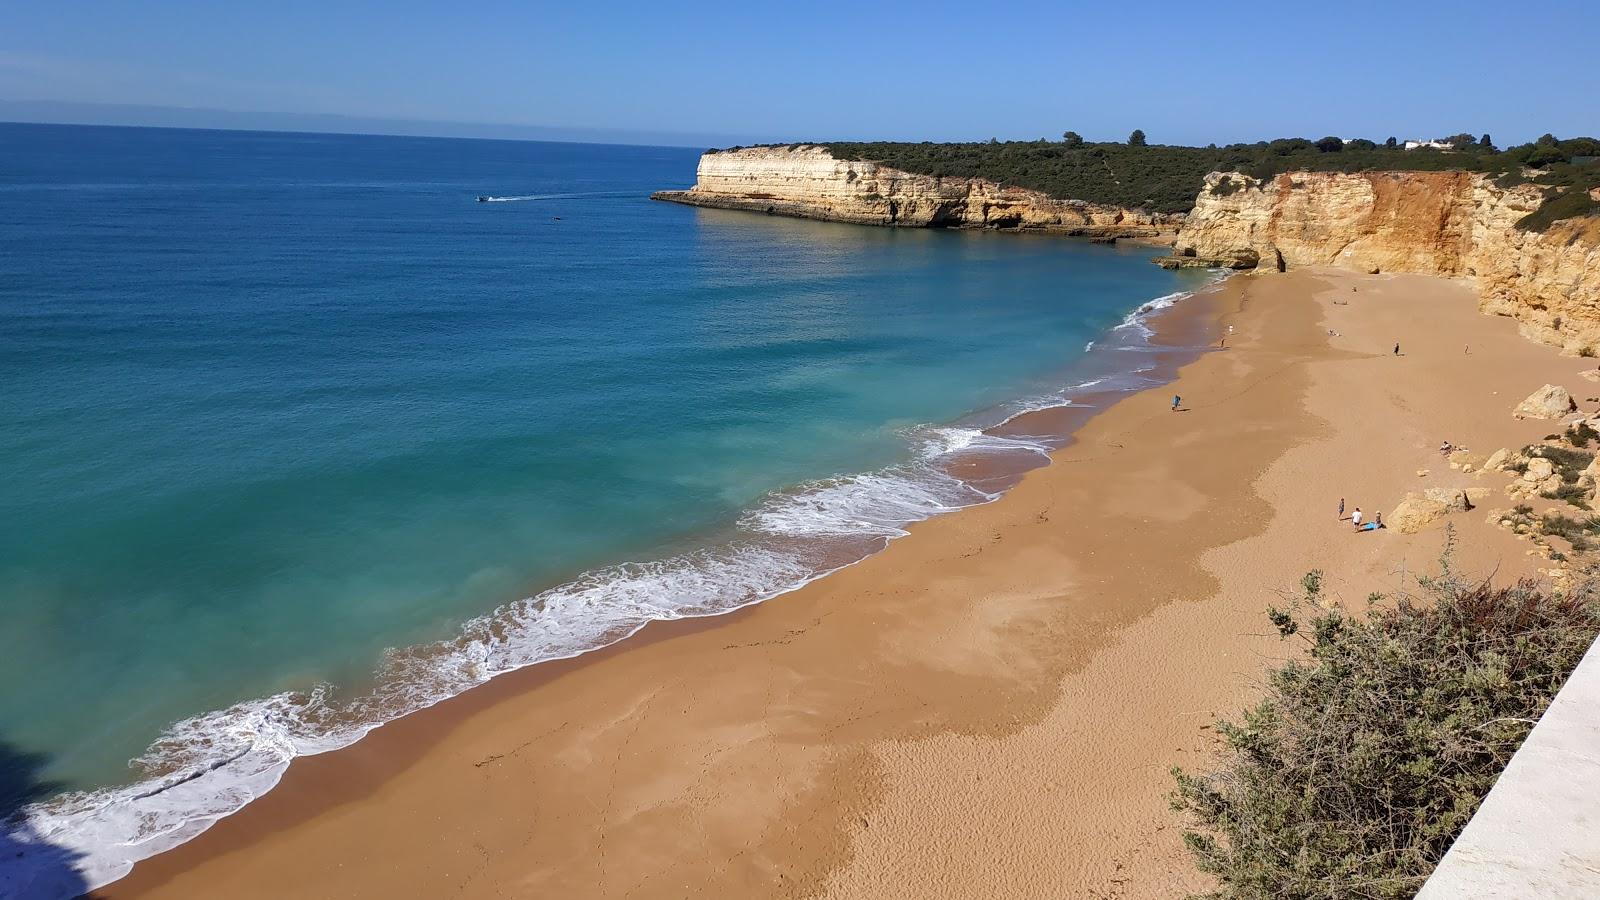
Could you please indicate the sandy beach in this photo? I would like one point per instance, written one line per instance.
(990, 706)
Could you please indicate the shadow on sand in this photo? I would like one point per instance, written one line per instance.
(30, 868)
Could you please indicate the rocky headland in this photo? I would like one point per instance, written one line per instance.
(808, 182)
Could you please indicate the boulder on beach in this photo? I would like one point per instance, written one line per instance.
(1497, 460)
(1417, 511)
(1590, 473)
(1539, 469)
(1548, 402)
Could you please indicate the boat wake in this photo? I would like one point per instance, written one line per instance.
(521, 198)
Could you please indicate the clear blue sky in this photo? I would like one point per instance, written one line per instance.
(1184, 72)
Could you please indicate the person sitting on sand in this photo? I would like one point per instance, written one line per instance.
(1355, 518)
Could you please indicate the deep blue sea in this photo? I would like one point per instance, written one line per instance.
(297, 436)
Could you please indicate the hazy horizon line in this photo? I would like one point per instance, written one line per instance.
(138, 115)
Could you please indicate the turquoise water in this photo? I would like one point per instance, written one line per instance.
(276, 403)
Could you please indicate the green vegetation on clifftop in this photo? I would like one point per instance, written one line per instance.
(1167, 178)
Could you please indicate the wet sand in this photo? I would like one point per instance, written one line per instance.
(988, 707)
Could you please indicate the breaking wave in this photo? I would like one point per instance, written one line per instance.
(210, 766)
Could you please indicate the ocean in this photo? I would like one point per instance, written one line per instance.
(299, 436)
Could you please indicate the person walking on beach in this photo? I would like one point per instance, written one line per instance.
(1341, 509)
(1175, 401)
(1396, 349)
(1355, 518)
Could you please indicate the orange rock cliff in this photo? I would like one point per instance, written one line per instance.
(1454, 224)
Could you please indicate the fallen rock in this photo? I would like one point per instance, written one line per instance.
(1548, 402)
(1590, 374)
(1550, 485)
(1416, 512)
(1458, 499)
(1497, 459)
(1590, 473)
(1539, 469)
(1422, 473)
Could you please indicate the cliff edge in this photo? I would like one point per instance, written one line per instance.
(1454, 224)
(808, 182)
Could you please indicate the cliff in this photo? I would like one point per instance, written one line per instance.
(808, 182)
(1455, 224)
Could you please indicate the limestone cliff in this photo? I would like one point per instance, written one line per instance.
(808, 182)
(1456, 224)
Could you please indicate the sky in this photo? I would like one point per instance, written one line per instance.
(722, 73)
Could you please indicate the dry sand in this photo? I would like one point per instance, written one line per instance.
(987, 708)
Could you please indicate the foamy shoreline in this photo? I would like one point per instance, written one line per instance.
(1017, 675)
(216, 764)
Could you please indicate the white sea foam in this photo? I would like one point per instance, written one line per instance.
(879, 504)
(209, 766)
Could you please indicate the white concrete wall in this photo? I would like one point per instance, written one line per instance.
(1537, 834)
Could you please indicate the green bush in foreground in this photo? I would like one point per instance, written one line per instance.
(1366, 758)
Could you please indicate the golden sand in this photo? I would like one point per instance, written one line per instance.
(989, 707)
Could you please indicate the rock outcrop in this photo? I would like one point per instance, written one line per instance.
(808, 182)
(1548, 402)
(1417, 511)
(1455, 224)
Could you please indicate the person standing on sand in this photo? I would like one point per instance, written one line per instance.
(1175, 401)
(1396, 349)
(1341, 509)
(1355, 518)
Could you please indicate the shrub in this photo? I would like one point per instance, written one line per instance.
(1571, 493)
(1368, 756)
(1167, 178)
(1569, 462)
(1568, 527)
(1557, 206)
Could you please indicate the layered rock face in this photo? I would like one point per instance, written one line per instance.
(1456, 224)
(808, 182)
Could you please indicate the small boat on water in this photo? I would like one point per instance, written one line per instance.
(483, 198)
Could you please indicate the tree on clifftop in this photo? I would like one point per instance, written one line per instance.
(1137, 138)
(1391, 143)
(1485, 143)
(1072, 139)
(1330, 144)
